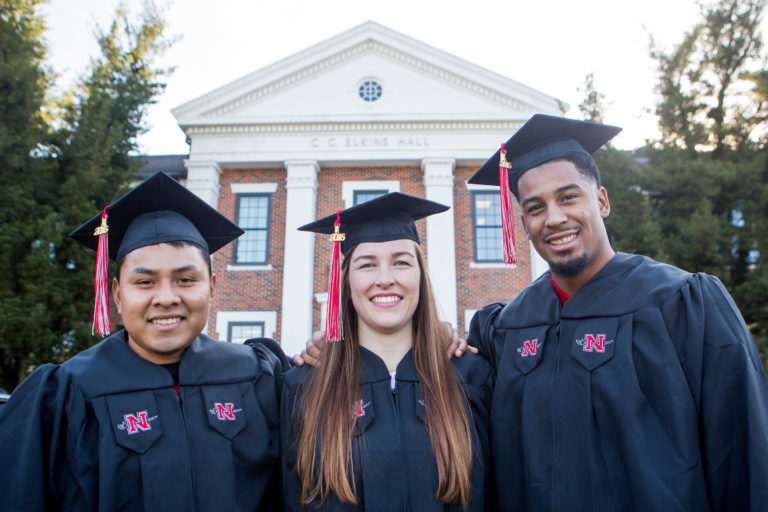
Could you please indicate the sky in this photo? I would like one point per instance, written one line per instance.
(548, 45)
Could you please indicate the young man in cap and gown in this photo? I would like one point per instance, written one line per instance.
(158, 416)
(621, 383)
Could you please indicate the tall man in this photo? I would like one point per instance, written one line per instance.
(622, 383)
(157, 416)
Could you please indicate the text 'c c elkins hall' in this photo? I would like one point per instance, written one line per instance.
(363, 113)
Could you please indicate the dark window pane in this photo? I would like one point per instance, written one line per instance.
(361, 196)
(486, 215)
(253, 218)
(241, 331)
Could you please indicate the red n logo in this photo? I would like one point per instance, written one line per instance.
(529, 348)
(136, 424)
(593, 344)
(224, 411)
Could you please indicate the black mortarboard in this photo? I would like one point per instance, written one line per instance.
(541, 139)
(157, 210)
(385, 218)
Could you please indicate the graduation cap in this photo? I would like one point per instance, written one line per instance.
(385, 218)
(158, 210)
(541, 139)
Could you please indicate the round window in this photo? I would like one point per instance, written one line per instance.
(369, 90)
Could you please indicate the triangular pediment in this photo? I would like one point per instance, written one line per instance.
(322, 84)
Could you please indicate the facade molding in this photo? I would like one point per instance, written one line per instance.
(254, 188)
(354, 126)
(203, 179)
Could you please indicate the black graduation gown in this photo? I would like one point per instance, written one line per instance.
(644, 392)
(106, 431)
(394, 465)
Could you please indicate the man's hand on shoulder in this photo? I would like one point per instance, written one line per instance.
(456, 344)
(314, 349)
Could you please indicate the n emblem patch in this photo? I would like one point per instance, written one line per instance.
(135, 423)
(529, 348)
(358, 408)
(525, 347)
(224, 411)
(594, 341)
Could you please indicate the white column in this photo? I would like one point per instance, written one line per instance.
(441, 236)
(538, 265)
(203, 180)
(299, 256)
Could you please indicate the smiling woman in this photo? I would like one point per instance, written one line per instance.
(385, 421)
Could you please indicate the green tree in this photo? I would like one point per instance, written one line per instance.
(630, 225)
(704, 82)
(707, 175)
(76, 163)
(592, 107)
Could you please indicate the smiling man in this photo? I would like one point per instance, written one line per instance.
(157, 416)
(622, 383)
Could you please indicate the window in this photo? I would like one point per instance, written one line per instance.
(486, 214)
(238, 326)
(356, 192)
(253, 218)
(238, 332)
(361, 196)
(370, 90)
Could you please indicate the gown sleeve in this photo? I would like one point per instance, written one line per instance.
(273, 363)
(477, 381)
(288, 435)
(726, 378)
(45, 451)
(481, 330)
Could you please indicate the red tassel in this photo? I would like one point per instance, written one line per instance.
(101, 321)
(507, 213)
(333, 328)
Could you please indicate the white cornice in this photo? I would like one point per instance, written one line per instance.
(399, 126)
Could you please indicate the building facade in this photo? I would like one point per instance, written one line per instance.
(366, 112)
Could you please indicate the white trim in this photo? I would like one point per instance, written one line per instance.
(224, 318)
(468, 314)
(481, 127)
(248, 268)
(348, 189)
(474, 186)
(298, 254)
(538, 265)
(322, 299)
(254, 188)
(441, 235)
(500, 264)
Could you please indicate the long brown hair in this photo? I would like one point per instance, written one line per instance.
(335, 385)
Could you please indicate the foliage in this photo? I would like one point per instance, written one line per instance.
(698, 197)
(705, 84)
(593, 105)
(69, 158)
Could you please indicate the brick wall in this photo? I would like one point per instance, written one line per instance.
(262, 290)
(251, 290)
(476, 287)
